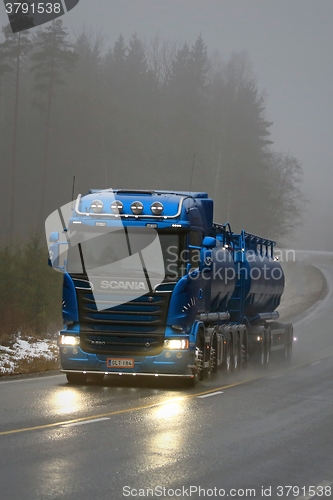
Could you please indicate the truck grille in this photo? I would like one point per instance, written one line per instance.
(132, 328)
(122, 344)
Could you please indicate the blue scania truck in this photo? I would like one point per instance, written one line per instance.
(213, 306)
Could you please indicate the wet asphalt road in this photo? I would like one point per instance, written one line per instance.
(232, 436)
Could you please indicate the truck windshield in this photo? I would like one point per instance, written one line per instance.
(91, 251)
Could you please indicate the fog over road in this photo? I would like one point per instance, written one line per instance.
(246, 431)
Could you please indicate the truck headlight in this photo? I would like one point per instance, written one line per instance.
(176, 344)
(69, 340)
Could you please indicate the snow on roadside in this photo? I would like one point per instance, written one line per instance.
(26, 352)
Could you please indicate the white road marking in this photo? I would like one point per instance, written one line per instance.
(316, 363)
(86, 422)
(211, 394)
(308, 497)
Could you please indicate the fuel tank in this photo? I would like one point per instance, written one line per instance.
(263, 281)
(223, 278)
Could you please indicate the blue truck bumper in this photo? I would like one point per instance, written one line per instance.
(168, 362)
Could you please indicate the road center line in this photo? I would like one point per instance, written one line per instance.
(118, 412)
(211, 394)
(87, 422)
(316, 363)
(127, 410)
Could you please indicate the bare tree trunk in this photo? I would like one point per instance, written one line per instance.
(14, 147)
(46, 150)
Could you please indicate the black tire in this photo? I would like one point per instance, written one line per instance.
(226, 364)
(213, 355)
(244, 350)
(198, 371)
(260, 354)
(76, 378)
(236, 364)
(289, 343)
(267, 347)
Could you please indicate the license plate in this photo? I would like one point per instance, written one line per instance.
(120, 363)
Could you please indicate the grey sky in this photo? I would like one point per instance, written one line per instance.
(290, 45)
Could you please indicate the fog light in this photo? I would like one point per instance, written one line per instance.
(64, 350)
(179, 354)
(157, 208)
(97, 206)
(167, 354)
(137, 207)
(117, 207)
(75, 350)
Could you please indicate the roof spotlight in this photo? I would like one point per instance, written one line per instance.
(97, 206)
(117, 207)
(137, 207)
(157, 208)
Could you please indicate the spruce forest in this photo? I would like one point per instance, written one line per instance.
(153, 114)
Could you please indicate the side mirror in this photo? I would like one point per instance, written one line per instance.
(209, 242)
(58, 255)
(54, 237)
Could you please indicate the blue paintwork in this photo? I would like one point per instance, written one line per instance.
(69, 303)
(200, 291)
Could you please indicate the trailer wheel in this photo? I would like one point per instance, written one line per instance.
(289, 343)
(213, 355)
(267, 346)
(226, 365)
(235, 352)
(260, 354)
(244, 350)
(76, 378)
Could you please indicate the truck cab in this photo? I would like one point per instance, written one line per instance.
(151, 286)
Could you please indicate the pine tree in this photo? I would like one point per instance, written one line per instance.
(136, 58)
(53, 58)
(199, 64)
(180, 78)
(12, 53)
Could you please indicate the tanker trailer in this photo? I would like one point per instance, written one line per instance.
(153, 287)
(257, 294)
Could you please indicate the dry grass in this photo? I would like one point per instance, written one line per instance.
(33, 365)
(26, 354)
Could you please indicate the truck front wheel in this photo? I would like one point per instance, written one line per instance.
(198, 362)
